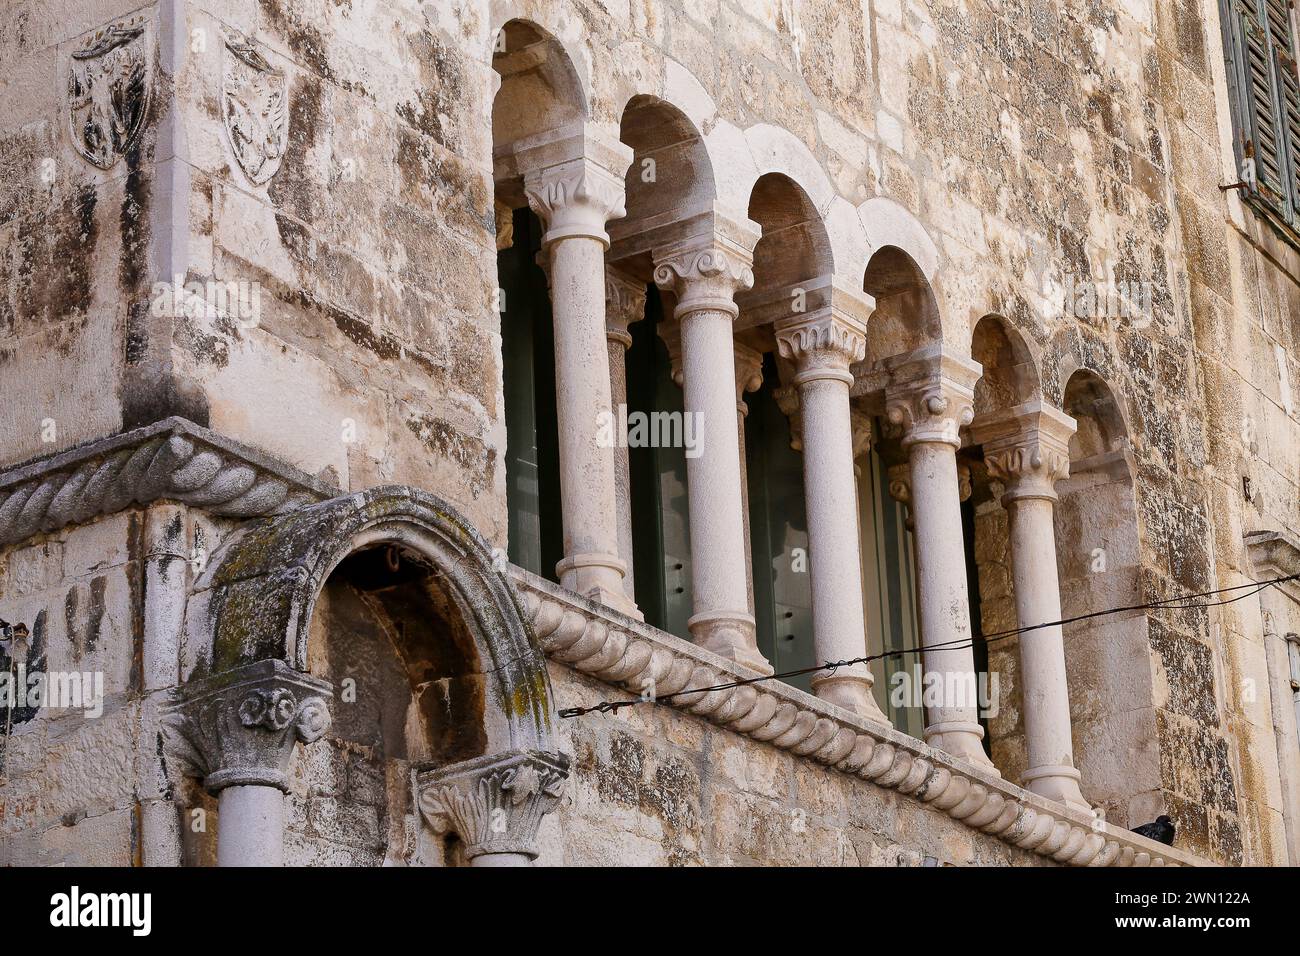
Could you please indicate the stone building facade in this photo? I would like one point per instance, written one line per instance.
(264, 267)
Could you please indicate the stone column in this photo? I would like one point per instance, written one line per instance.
(822, 346)
(624, 304)
(494, 804)
(930, 397)
(575, 198)
(1028, 450)
(705, 274)
(237, 731)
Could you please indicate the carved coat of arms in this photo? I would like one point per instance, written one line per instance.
(255, 106)
(109, 83)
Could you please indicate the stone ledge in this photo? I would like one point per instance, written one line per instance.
(173, 459)
(626, 654)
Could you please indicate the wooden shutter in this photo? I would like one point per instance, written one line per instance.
(1281, 27)
(1261, 51)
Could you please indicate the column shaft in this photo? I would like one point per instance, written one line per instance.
(839, 631)
(622, 471)
(1027, 448)
(953, 725)
(704, 274)
(713, 481)
(250, 826)
(931, 397)
(576, 197)
(591, 565)
(1048, 743)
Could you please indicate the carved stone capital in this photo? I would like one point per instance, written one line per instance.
(787, 399)
(1027, 448)
(495, 803)
(575, 199)
(749, 373)
(670, 332)
(864, 433)
(964, 485)
(1028, 470)
(931, 395)
(705, 274)
(900, 489)
(238, 728)
(823, 345)
(624, 304)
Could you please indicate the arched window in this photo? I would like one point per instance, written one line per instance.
(540, 96)
(906, 318)
(1009, 379)
(1099, 558)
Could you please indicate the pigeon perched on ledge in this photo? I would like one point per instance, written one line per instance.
(1161, 831)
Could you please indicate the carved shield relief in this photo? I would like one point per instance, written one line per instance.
(109, 79)
(255, 107)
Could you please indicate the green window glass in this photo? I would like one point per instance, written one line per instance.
(661, 540)
(536, 536)
(778, 533)
(889, 593)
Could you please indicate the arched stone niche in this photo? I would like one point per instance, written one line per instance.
(441, 695)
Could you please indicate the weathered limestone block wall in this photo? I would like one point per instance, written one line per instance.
(654, 787)
(68, 781)
(1244, 289)
(74, 251)
(375, 355)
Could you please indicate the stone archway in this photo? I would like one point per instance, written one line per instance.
(477, 729)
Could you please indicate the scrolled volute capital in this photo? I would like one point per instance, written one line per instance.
(238, 728)
(495, 803)
(704, 275)
(933, 412)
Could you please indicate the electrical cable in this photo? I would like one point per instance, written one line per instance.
(609, 706)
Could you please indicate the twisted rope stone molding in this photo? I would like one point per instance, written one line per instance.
(173, 459)
(630, 655)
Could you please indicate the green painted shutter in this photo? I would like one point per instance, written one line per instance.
(1260, 46)
(1282, 25)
